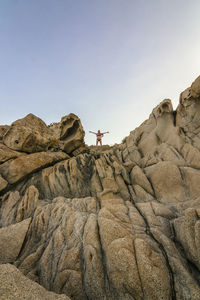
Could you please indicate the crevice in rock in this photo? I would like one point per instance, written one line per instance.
(24, 242)
(108, 287)
(107, 284)
(7, 160)
(148, 231)
(100, 182)
(135, 256)
(128, 292)
(151, 183)
(194, 271)
(14, 207)
(158, 139)
(87, 169)
(128, 214)
(177, 153)
(187, 192)
(67, 179)
(192, 268)
(5, 180)
(82, 264)
(154, 117)
(139, 139)
(51, 258)
(195, 168)
(174, 117)
(141, 153)
(119, 157)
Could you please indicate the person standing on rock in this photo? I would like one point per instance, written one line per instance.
(99, 136)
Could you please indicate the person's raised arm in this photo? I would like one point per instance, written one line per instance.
(105, 132)
(92, 132)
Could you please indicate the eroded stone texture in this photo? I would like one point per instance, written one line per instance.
(71, 132)
(3, 129)
(167, 182)
(11, 240)
(16, 169)
(119, 222)
(3, 183)
(188, 113)
(7, 154)
(29, 134)
(15, 286)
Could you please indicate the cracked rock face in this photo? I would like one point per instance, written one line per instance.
(120, 222)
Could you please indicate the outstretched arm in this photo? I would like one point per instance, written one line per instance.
(92, 132)
(105, 132)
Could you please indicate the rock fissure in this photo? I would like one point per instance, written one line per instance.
(148, 231)
(143, 293)
(192, 268)
(106, 277)
(83, 266)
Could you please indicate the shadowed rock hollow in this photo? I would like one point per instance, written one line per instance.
(95, 223)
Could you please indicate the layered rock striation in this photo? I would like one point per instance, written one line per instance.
(93, 223)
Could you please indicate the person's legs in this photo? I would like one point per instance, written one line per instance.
(99, 141)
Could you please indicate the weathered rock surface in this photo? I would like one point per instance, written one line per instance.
(119, 222)
(30, 134)
(3, 183)
(7, 154)
(15, 286)
(71, 131)
(11, 240)
(3, 129)
(16, 169)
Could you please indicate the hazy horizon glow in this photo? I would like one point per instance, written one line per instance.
(110, 61)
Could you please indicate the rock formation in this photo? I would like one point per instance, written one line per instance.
(15, 286)
(31, 134)
(119, 222)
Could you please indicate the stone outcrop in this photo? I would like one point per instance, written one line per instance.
(31, 135)
(119, 222)
(71, 132)
(11, 240)
(15, 170)
(7, 154)
(15, 286)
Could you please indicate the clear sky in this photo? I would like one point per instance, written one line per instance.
(108, 61)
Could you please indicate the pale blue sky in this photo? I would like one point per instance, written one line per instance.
(108, 61)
